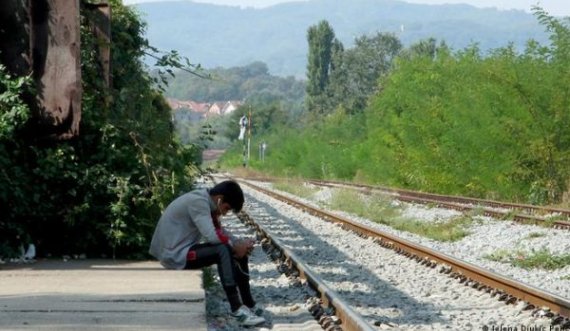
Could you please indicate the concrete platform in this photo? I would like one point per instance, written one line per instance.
(100, 295)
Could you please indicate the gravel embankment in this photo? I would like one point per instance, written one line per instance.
(487, 236)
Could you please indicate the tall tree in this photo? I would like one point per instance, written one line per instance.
(321, 38)
(426, 47)
(336, 89)
(355, 78)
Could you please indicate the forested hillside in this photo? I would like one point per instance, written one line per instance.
(231, 36)
(249, 82)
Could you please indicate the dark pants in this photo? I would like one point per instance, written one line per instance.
(233, 271)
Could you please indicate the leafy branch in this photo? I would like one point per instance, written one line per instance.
(170, 60)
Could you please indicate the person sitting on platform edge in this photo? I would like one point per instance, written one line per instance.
(189, 236)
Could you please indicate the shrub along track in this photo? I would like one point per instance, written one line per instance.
(503, 289)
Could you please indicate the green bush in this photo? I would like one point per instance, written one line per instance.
(100, 193)
(490, 126)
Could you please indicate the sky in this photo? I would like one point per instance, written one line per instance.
(552, 7)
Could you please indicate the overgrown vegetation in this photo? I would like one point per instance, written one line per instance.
(375, 207)
(493, 125)
(535, 259)
(379, 209)
(296, 188)
(101, 193)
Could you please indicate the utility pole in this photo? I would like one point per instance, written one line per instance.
(245, 127)
(249, 134)
(262, 148)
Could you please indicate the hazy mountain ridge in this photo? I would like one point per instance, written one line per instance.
(226, 36)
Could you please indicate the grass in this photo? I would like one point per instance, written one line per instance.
(501, 255)
(477, 211)
(247, 172)
(208, 278)
(539, 259)
(510, 215)
(542, 259)
(379, 209)
(554, 218)
(449, 231)
(533, 235)
(373, 206)
(296, 188)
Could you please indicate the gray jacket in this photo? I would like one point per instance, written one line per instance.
(184, 223)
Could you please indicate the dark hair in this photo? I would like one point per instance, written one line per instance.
(232, 193)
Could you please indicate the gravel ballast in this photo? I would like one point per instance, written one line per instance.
(391, 291)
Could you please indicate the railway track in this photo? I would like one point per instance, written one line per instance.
(508, 291)
(328, 303)
(555, 217)
(558, 218)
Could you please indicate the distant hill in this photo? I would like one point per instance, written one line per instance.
(226, 36)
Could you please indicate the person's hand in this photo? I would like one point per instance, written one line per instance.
(243, 247)
(250, 243)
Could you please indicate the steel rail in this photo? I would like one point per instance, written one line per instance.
(524, 218)
(460, 269)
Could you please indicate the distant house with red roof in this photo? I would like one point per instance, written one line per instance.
(230, 107)
(189, 110)
(215, 109)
